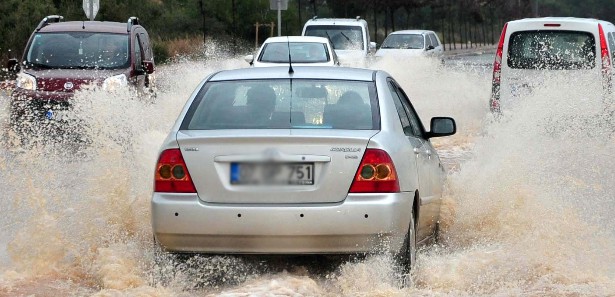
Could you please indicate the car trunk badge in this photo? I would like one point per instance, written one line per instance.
(68, 85)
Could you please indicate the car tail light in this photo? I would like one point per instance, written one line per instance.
(172, 174)
(376, 174)
(553, 25)
(606, 60)
(497, 71)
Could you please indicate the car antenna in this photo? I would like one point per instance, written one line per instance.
(290, 71)
(290, 61)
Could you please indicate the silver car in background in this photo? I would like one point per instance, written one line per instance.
(318, 160)
(411, 43)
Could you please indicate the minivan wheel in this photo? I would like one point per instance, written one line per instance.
(407, 254)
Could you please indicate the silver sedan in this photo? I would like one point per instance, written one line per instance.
(316, 160)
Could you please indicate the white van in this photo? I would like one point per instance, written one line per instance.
(349, 37)
(530, 47)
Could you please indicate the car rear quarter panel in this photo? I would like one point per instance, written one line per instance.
(392, 139)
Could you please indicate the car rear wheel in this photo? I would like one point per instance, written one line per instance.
(160, 271)
(407, 254)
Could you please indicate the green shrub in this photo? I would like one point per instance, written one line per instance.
(161, 52)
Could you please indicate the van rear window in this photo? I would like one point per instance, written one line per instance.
(557, 50)
(341, 37)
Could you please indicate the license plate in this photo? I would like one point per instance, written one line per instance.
(520, 90)
(57, 115)
(272, 173)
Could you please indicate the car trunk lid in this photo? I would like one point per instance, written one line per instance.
(214, 156)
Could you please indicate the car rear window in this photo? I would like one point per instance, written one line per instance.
(563, 50)
(284, 104)
(300, 52)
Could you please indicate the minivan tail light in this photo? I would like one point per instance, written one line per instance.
(172, 173)
(604, 51)
(497, 72)
(606, 60)
(376, 174)
(552, 25)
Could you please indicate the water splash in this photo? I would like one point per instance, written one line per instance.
(528, 207)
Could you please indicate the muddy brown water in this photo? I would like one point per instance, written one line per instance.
(528, 209)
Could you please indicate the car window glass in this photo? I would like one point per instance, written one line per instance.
(427, 41)
(79, 50)
(434, 40)
(276, 104)
(415, 122)
(300, 52)
(404, 41)
(341, 37)
(544, 49)
(612, 47)
(403, 116)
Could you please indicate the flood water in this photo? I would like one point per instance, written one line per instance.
(529, 207)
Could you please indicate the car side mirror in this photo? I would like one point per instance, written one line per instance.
(429, 47)
(249, 59)
(442, 126)
(13, 65)
(148, 67)
(372, 47)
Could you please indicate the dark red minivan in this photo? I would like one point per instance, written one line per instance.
(62, 57)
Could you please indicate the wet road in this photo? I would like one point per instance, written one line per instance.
(528, 209)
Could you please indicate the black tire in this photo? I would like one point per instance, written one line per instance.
(407, 254)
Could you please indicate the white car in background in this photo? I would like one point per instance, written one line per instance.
(304, 51)
(411, 43)
(349, 37)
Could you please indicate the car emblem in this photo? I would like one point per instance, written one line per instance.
(271, 154)
(346, 149)
(68, 85)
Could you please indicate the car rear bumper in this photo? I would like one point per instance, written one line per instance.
(361, 223)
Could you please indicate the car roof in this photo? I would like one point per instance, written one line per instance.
(300, 72)
(417, 31)
(560, 19)
(297, 39)
(351, 22)
(87, 26)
